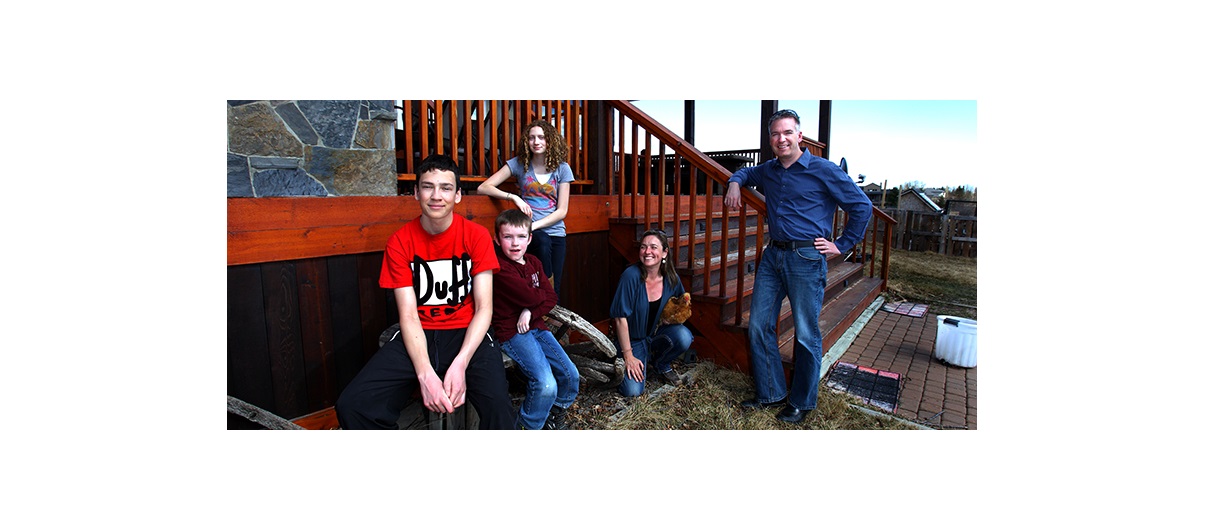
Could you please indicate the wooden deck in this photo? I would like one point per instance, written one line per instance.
(305, 312)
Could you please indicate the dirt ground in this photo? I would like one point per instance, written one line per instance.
(592, 410)
(596, 404)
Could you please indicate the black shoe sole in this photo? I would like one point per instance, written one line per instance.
(756, 405)
(792, 418)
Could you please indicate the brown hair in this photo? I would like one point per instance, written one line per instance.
(512, 217)
(557, 152)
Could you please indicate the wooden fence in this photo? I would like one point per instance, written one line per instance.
(952, 235)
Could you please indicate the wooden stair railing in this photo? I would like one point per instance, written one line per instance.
(703, 232)
(699, 171)
(483, 134)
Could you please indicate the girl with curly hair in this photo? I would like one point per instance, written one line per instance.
(543, 178)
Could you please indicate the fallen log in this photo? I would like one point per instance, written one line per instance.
(258, 415)
(609, 374)
(581, 325)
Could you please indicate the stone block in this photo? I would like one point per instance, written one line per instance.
(296, 121)
(354, 171)
(382, 115)
(261, 162)
(375, 134)
(253, 129)
(286, 183)
(333, 120)
(238, 177)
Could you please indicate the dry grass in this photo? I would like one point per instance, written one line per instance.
(946, 283)
(711, 401)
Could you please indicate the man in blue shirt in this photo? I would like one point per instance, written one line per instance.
(802, 192)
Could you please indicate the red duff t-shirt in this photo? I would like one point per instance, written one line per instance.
(440, 268)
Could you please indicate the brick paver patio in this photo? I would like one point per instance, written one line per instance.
(932, 392)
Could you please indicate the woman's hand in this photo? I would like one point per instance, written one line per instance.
(634, 366)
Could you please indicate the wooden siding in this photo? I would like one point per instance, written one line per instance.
(304, 314)
(272, 229)
(305, 327)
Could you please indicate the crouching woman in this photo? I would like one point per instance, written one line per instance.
(639, 302)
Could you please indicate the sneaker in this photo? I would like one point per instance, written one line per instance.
(671, 377)
(556, 419)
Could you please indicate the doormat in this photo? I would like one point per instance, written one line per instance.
(906, 308)
(877, 388)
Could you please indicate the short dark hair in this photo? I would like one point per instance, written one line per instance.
(437, 162)
(782, 114)
(512, 217)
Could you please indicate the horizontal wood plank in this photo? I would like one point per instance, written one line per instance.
(410, 177)
(285, 228)
(274, 213)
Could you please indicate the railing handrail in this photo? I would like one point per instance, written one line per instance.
(687, 151)
(629, 157)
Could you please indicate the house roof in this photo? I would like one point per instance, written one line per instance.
(928, 202)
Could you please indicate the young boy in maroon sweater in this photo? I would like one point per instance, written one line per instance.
(522, 296)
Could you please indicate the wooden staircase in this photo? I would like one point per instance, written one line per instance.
(720, 322)
(716, 251)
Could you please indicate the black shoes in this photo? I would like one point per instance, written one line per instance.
(556, 419)
(790, 414)
(755, 404)
(671, 377)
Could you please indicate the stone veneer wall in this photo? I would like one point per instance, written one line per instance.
(310, 147)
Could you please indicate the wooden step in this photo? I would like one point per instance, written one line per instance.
(835, 316)
(848, 291)
(841, 275)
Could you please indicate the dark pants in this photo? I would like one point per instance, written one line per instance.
(375, 397)
(550, 250)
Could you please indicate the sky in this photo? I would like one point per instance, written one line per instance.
(889, 141)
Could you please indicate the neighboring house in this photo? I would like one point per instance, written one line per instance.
(873, 191)
(964, 208)
(912, 200)
(934, 193)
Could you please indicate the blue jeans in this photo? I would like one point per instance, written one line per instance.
(680, 339)
(552, 378)
(798, 275)
(550, 250)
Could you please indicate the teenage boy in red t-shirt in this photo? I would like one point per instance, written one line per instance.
(440, 267)
(522, 296)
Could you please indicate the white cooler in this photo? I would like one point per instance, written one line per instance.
(956, 340)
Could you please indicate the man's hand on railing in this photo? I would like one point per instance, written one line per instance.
(732, 199)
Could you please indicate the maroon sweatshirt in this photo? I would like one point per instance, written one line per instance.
(518, 287)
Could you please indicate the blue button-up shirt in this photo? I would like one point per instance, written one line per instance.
(801, 199)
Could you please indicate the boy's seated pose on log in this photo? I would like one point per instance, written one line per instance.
(441, 269)
(522, 296)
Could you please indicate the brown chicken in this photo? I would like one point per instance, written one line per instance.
(677, 309)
